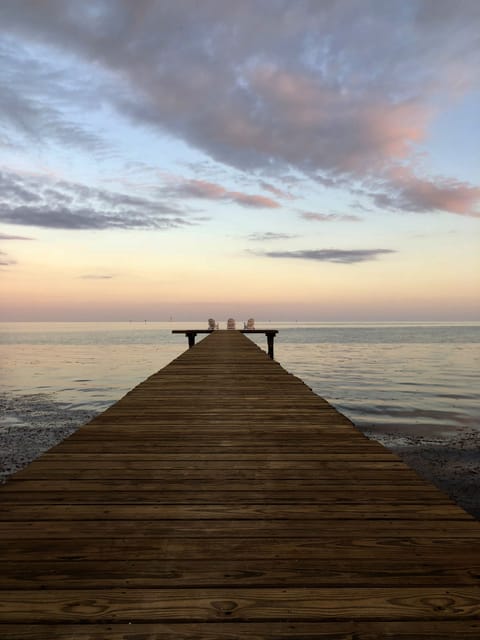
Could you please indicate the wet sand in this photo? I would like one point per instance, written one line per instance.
(31, 426)
(450, 461)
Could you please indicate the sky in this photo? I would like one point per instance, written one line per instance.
(291, 160)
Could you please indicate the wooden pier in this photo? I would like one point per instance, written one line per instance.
(222, 500)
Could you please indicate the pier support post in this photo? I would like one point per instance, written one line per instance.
(270, 333)
(270, 338)
(191, 334)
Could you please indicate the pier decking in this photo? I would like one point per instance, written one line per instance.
(221, 499)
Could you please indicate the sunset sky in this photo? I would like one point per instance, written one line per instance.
(277, 159)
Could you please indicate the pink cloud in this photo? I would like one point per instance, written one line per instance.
(407, 191)
(252, 200)
(327, 127)
(212, 191)
(393, 129)
(201, 189)
(275, 190)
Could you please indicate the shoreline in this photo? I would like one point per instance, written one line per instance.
(30, 426)
(450, 462)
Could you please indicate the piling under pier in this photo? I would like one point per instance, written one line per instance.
(222, 499)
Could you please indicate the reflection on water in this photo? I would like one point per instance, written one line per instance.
(81, 376)
(383, 376)
(420, 377)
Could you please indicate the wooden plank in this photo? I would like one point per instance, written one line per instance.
(280, 485)
(301, 476)
(216, 573)
(319, 630)
(255, 529)
(256, 512)
(380, 495)
(236, 604)
(287, 456)
(161, 548)
(43, 465)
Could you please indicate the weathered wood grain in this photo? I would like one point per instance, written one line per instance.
(120, 605)
(349, 546)
(214, 573)
(199, 528)
(258, 513)
(319, 630)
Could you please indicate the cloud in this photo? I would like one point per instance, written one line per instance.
(33, 100)
(280, 193)
(6, 236)
(89, 276)
(40, 201)
(255, 201)
(77, 218)
(325, 128)
(341, 256)
(15, 187)
(336, 91)
(212, 191)
(329, 217)
(5, 261)
(406, 191)
(269, 235)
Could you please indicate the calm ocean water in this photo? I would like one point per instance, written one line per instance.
(389, 377)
